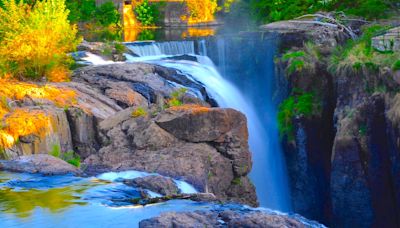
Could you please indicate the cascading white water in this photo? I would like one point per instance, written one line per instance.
(268, 173)
(162, 48)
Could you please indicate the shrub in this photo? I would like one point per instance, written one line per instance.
(107, 14)
(201, 11)
(56, 151)
(81, 10)
(274, 10)
(72, 158)
(119, 48)
(34, 41)
(299, 104)
(396, 65)
(147, 13)
(86, 10)
(139, 112)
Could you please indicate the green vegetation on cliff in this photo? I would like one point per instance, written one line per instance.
(360, 55)
(299, 104)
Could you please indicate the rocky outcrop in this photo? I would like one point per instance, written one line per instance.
(159, 184)
(295, 33)
(218, 164)
(221, 218)
(40, 163)
(207, 147)
(57, 135)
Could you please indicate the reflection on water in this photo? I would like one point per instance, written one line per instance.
(131, 34)
(102, 34)
(22, 203)
(140, 34)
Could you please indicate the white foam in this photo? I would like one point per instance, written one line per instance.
(114, 176)
(96, 60)
(183, 186)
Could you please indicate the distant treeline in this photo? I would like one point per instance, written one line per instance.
(275, 10)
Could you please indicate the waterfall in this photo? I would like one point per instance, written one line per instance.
(268, 173)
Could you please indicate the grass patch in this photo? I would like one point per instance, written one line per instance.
(360, 56)
(176, 98)
(304, 60)
(139, 112)
(71, 157)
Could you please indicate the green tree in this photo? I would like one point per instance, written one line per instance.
(107, 14)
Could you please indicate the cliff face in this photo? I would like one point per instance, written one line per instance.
(344, 163)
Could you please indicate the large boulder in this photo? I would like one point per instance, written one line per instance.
(40, 163)
(159, 184)
(226, 129)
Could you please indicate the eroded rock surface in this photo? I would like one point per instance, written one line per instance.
(40, 163)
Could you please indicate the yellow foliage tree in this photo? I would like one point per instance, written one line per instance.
(34, 41)
(201, 10)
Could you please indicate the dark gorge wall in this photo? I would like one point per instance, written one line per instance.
(344, 162)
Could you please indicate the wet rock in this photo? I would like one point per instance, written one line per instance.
(41, 163)
(224, 218)
(159, 184)
(198, 197)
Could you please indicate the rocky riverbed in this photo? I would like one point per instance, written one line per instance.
(190, 152)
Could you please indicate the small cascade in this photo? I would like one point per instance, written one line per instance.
(144, 49)
(183, 186)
